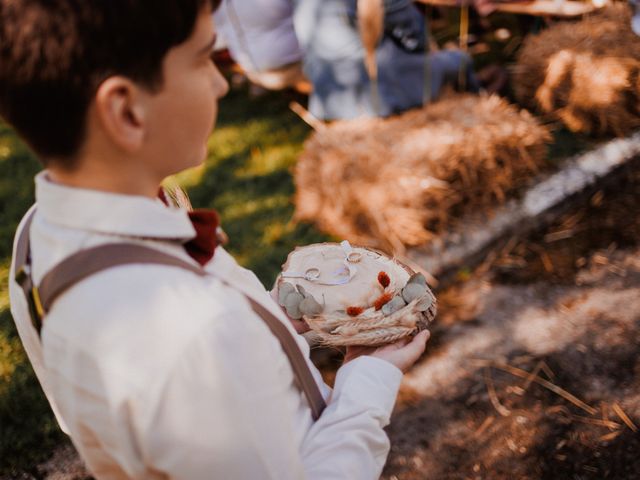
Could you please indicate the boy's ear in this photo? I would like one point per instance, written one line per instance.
(120, 110)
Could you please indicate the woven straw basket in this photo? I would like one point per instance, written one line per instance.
(354, 295)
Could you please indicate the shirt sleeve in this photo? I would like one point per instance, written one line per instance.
(348, 440)
(230, 409)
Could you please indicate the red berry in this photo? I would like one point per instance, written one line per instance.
(383, 279)
(382, 300)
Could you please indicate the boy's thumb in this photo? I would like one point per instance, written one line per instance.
(419, 342)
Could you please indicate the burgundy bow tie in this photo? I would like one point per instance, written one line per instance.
(206, 223)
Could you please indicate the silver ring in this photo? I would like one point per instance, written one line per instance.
(312, 274)
(354, 257)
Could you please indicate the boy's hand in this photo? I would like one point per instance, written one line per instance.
(300, 325)
(403, 353)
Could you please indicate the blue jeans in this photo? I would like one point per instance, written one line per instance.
(334, 61)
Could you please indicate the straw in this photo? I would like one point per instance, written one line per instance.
(400, 181)
(554, 388)
(623, 416)
(584, 74)
(501, 409)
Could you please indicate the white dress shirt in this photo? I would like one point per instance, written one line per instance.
(158, 373)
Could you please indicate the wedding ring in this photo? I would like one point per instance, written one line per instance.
(312, 274)
(354, 257)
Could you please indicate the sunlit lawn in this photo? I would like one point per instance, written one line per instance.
(247, 177)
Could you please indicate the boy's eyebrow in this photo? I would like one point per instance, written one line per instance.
(209, 46)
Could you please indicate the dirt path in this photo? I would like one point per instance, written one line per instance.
(459, 419)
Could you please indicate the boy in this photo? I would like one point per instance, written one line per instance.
(154, 371)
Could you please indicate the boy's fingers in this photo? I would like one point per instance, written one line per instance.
(354, 352)
(419, 342)
(300, 326)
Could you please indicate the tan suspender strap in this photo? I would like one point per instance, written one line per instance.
(297, 360)
(85, 263)
(22, 247)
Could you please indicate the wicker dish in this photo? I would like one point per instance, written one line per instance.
(354, 295)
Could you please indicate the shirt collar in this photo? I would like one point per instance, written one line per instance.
(110, 213)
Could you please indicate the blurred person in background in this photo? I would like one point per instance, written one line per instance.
(635, 19)
(275, 41)
(334, 60)
(261, 38)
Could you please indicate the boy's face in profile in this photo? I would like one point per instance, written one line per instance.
(182, 114)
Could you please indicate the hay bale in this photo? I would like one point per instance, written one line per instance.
(586, 74)
(397, 182)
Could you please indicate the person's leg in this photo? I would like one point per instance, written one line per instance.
(452, 67)
(406, 79)
(333, 60)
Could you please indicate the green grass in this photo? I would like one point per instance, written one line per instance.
(247, 177)
(28, 431)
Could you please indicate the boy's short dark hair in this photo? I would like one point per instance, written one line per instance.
(55, 53)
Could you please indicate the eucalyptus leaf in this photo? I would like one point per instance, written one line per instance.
(417, 278)
(284, 290)
(395, 304)
(413, 291)
(310, 307)
(292, 305)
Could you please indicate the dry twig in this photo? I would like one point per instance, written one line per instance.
(624, 417)
(307, 117)
(610, 436)
(596, 421)
(484, 426)
(501, 409)
(541, 381)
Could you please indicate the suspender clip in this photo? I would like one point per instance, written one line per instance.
(37, 303)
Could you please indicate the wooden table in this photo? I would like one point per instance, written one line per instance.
(552, 8)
